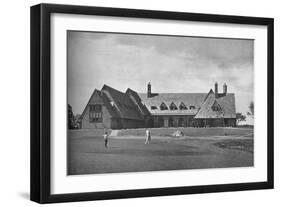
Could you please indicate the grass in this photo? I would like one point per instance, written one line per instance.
(200, 149)
(244, 145)
(167, 132)
(190, 131)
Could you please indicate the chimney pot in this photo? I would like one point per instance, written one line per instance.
(216, 89)
(224, 89)
(148, 90)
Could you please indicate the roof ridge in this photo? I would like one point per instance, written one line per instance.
(210, 92)
(124, 104)
(109, 87)
(176, 93)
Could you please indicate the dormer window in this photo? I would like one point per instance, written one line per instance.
(192, 107)
(153, 107)
(173, 106)
(163, 106)
(182, 106)
(216, 106)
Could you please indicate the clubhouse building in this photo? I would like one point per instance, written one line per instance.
(113, 109)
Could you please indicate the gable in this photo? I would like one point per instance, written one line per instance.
(173, 106)
(98, 97)
(225, 104)
(182, 106)
(163, 106)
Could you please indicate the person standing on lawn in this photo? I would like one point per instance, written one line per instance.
(105, 137)
(148, 137)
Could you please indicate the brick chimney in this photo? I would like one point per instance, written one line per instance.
(224, 89)
(148, 90)
(216, 89)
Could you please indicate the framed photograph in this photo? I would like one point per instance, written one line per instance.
(133, 103)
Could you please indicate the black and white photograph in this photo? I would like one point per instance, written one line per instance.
(149, 102)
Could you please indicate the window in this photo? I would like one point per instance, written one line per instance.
(153, 107)
(182, 106)
(173, 106)
(95, 113)
(181, 122)
(161, 122)
(171, 122)
(192, 107)
(163, 106)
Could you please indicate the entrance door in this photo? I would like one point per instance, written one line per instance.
(171, 122)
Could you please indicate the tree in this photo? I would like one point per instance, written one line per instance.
(77, 121)
(70, 117)
(251, 107)
(240, 117)
(77, 117)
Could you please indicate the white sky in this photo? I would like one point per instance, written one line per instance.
(172, 64)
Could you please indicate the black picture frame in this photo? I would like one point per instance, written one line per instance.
(41, 95)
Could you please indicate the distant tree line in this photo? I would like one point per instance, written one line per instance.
(73, 122)
(240, 117)
(251, 107)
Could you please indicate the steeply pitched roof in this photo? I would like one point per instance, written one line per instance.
(111, 109)
(138, 102)
(203, 104)
(122, 102)
(106, 102)
(226, 104)
(131, 105)
(189, 99)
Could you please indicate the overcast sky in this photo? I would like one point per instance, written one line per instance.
(172, 64)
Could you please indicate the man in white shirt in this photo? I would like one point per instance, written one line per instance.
(148, 136)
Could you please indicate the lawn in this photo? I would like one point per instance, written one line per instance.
(189, 131)
(197, 149)
(244, 145)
